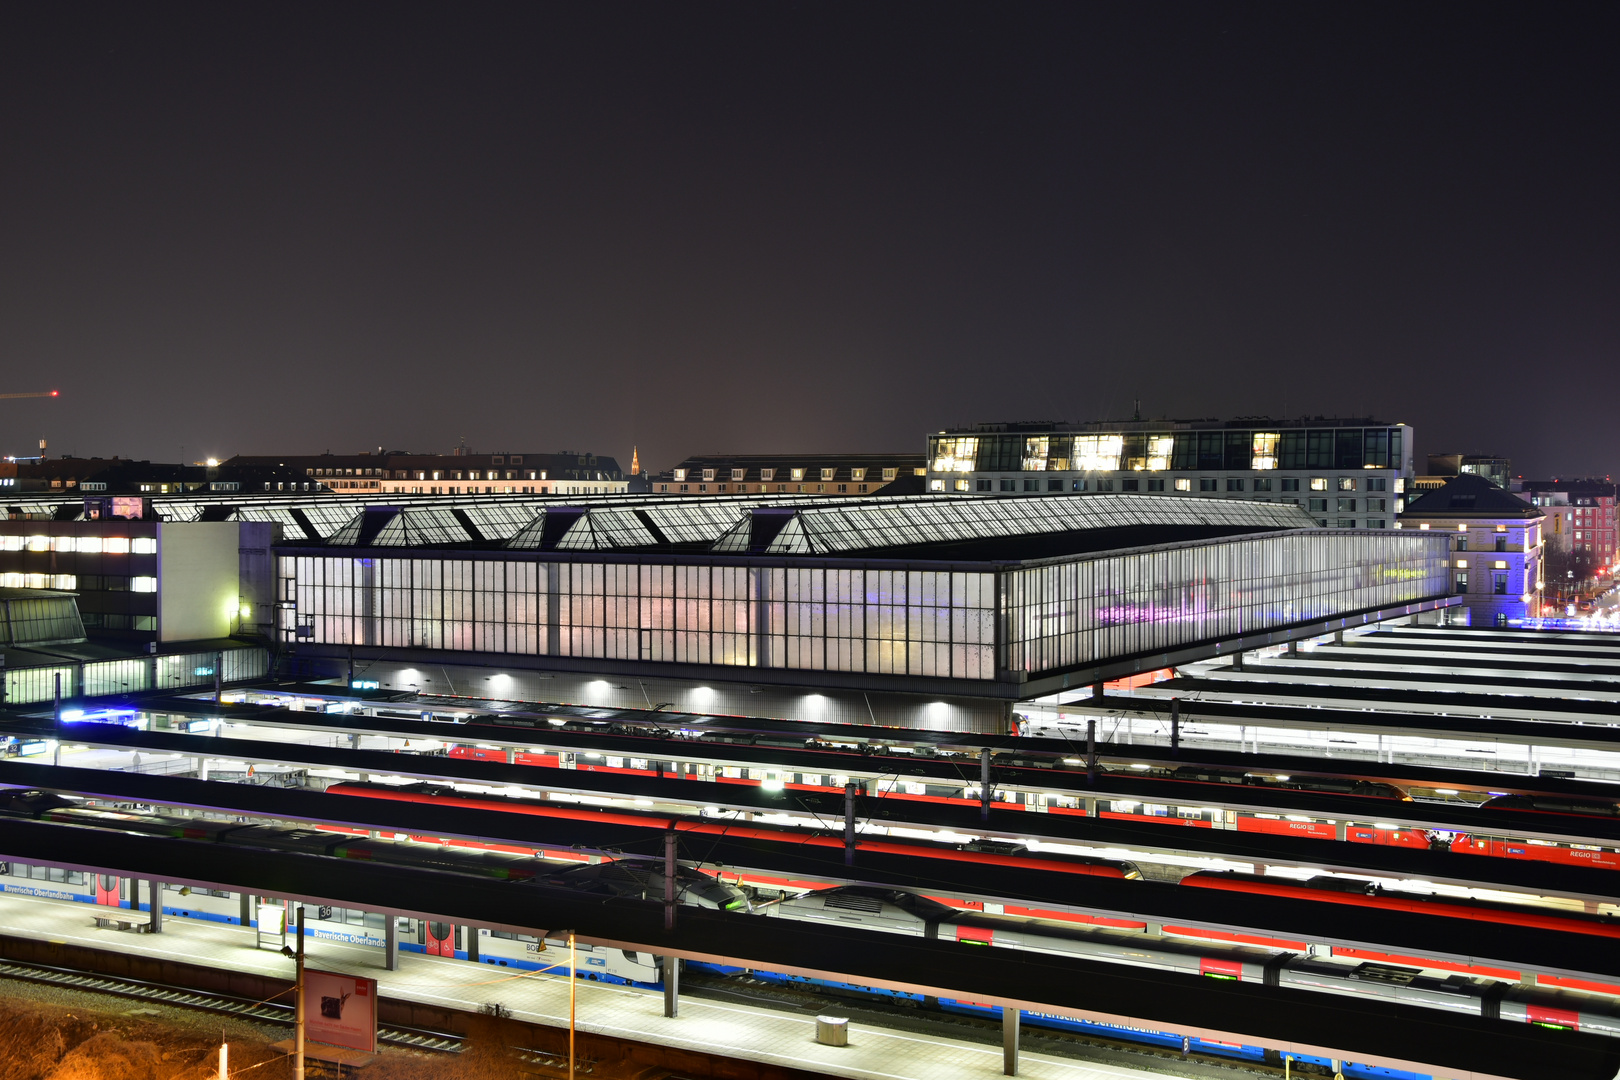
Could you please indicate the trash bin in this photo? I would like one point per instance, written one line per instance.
(832, 1030)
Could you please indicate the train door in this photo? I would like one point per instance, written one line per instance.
(440, 938)
(109, 890)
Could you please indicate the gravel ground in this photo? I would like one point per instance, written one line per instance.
(54, 1033)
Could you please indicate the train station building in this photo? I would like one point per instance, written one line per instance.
(929, 611)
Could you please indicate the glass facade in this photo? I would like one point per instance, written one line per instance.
(39, 620)
(174, 671)
(893, 620)
(969, 621)
(1154, 451)
(1078, 612)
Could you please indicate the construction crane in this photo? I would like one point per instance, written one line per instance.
(37, 393)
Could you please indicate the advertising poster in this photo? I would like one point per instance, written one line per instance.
(340, 1010)
(129, 506)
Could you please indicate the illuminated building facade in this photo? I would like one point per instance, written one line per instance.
(1497, 545)
(146, 581)
(1344, 473)
(1581, 517)
(451, 474)
(925, 610)
(790, 474)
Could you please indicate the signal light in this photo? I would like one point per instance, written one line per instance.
(56, 393)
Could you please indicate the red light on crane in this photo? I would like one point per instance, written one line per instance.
(55, 393)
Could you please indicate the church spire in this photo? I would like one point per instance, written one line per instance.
(635, 461)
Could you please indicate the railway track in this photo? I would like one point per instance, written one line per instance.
(269, 1012)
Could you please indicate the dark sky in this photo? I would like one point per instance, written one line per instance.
(780, 226)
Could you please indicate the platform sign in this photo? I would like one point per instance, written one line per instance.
(340, 1010)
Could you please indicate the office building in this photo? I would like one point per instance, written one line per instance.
(1497, 546)
(147, 580)
(1346, 473)
(1498, 470)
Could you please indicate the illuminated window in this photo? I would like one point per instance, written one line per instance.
(936, 485)
(680, 474)
(950, 455)
(798, 474)
(1035, 452)
(890, 474)
(142, 584)
(1318, 483)
(89, 543)
(1263, 454)
(143, 545)
(860, 474)
(1183, 483)
(1159, 452)
(1347, 483)
(1097, 453)
(828, 474)
(1499, 564)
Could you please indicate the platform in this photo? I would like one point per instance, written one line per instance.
(607, 1009)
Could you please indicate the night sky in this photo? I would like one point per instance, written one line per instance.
(780, 226)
